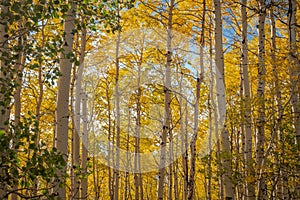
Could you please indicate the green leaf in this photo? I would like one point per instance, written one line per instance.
(77, 63)
(15, 7)
(32, 146)
(2, 133)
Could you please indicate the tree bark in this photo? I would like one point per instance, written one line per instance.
(137, 162)
(62, 111)
(281, 188)
(110, 147)
(211, 114)
(191, 185)
(77, 127)
(184, 143)
(167, 101)
(260, 134)
(4, 77)
(127, 189)
(221, 99)
(250, 192)
(294, 68)
(5, 70)
(118, 116)
(85, 142)
(19, 67)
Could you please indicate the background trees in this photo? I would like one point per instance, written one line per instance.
(151, 117)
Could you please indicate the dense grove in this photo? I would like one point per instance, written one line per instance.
(171, 99)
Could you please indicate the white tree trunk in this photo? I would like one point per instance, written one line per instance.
(118, 116)
(281, 188)
(250, 192)
(212, 113)
(62, 111)
(137, 162)
(77, 114)
(167, 102)
(191, 185)
(260, 134)
(110, 147)
(17, 99)
(221, 99)
(184, 143)
(84, 182)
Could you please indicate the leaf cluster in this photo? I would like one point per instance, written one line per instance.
(23, 162)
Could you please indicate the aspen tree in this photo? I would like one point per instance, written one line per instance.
(199, 79)
(41, 86)
(19, 67)
(220, 84)
(260, 127)
(127, 189)
(215, 109)
(250, 192)
(167, 101)
(211, 114)
(40, 94)
(84, 149)
(110, 147)
(118, 116)
(76, 130)
(4, 73)
(294, 68)
(281, 188)
(137, 162)
(62, 110)
(184, 142)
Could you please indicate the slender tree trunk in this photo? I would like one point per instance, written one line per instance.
(41, 88)
(4, 80)
(191, 185)
(175, 172)
(137, 163)
(191, 182)
(170, 167)
(260, 135)
(39, 100)
(62, 111)
(294, 68)
(215, 119)
(209, 167)
(211, 104)
(184, 143)
(127, 177)
(4, 72)
(118, 133)
(74, 194)
(167, 102)
(76, 128)
(110, 147)
(72, 100)
(221, 98)
(281, 190)
(85, 142)
(95, 162)
(17, 99)
(250, 192)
